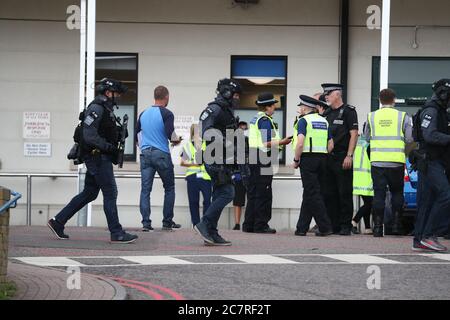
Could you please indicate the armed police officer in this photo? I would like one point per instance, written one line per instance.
(434, 188)
(219, 156)
(264, 142)
(100, 137)
(313, 142)
(343, 121)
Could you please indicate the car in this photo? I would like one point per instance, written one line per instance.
(410, 205)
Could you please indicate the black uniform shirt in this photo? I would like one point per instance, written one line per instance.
(435, 131)
(215, 120)
(99, 125)
(341, 121)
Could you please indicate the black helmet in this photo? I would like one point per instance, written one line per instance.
(442, 89)
(111, 85)
(228, 87)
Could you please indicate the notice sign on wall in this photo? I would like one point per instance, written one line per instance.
(182, 126)
(33, 149)
(36, 125)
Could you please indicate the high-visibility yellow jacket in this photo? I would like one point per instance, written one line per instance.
(387, 139)
(199, 170)
(362, 177)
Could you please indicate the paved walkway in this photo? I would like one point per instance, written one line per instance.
(36, 283)
(178, 266)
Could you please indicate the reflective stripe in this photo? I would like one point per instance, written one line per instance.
(363, 156)
(363, 188)
(400, 124)
(362, 178)
(387, 149)
(372, 125)
(389, 138)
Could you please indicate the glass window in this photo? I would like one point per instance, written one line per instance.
(259, 74)
(411, 78)
(122, 67)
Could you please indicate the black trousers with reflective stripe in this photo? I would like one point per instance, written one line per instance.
(339, 192)
(259, 205)
(313, 171)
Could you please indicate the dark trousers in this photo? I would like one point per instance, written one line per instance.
(222, 195)
(339, 193)
(433, 200)
(195, 186)
(259, 206)
(364, 211)
(392, 178)
(313, 171)
(99, 176)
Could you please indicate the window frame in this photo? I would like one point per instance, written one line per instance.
(127, 157)
(282, 107)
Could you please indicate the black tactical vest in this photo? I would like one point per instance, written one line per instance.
(435, 152)
(107, 128)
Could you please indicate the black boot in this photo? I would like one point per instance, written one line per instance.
(378, 223)
(397, 224)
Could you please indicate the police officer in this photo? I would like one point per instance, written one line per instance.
(388, 130)
(215, 120)
(198, 180)
(362, 185)
(434, 188)
(322, 108)
(313, 142)
(343, 121)
(264, 139)
(99, 143)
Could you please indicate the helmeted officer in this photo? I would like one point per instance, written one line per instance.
(313, 142)
(388, 131)
(343, 121)
(434, 188)
(264, 138)
(100, 137)
(215, 120)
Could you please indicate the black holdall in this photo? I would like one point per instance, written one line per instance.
(75, 152)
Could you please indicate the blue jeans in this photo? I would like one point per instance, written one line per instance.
(433, 200)
(152, 161)
(222, 195)
(99, 176)
(194, 187)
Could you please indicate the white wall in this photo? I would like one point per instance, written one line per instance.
(185, 45)
(405, 15)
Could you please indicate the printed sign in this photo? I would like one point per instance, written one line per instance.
(182, 126)
(33, 149)
(36, 125)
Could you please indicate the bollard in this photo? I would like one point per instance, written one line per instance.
(5, 196)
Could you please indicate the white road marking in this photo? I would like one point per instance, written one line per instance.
(441, 256)
(338, 259)
(260, 259)
(361, 259)
(51, 261)
(155, 260)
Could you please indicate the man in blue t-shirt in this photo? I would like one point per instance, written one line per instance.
(154, 130)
